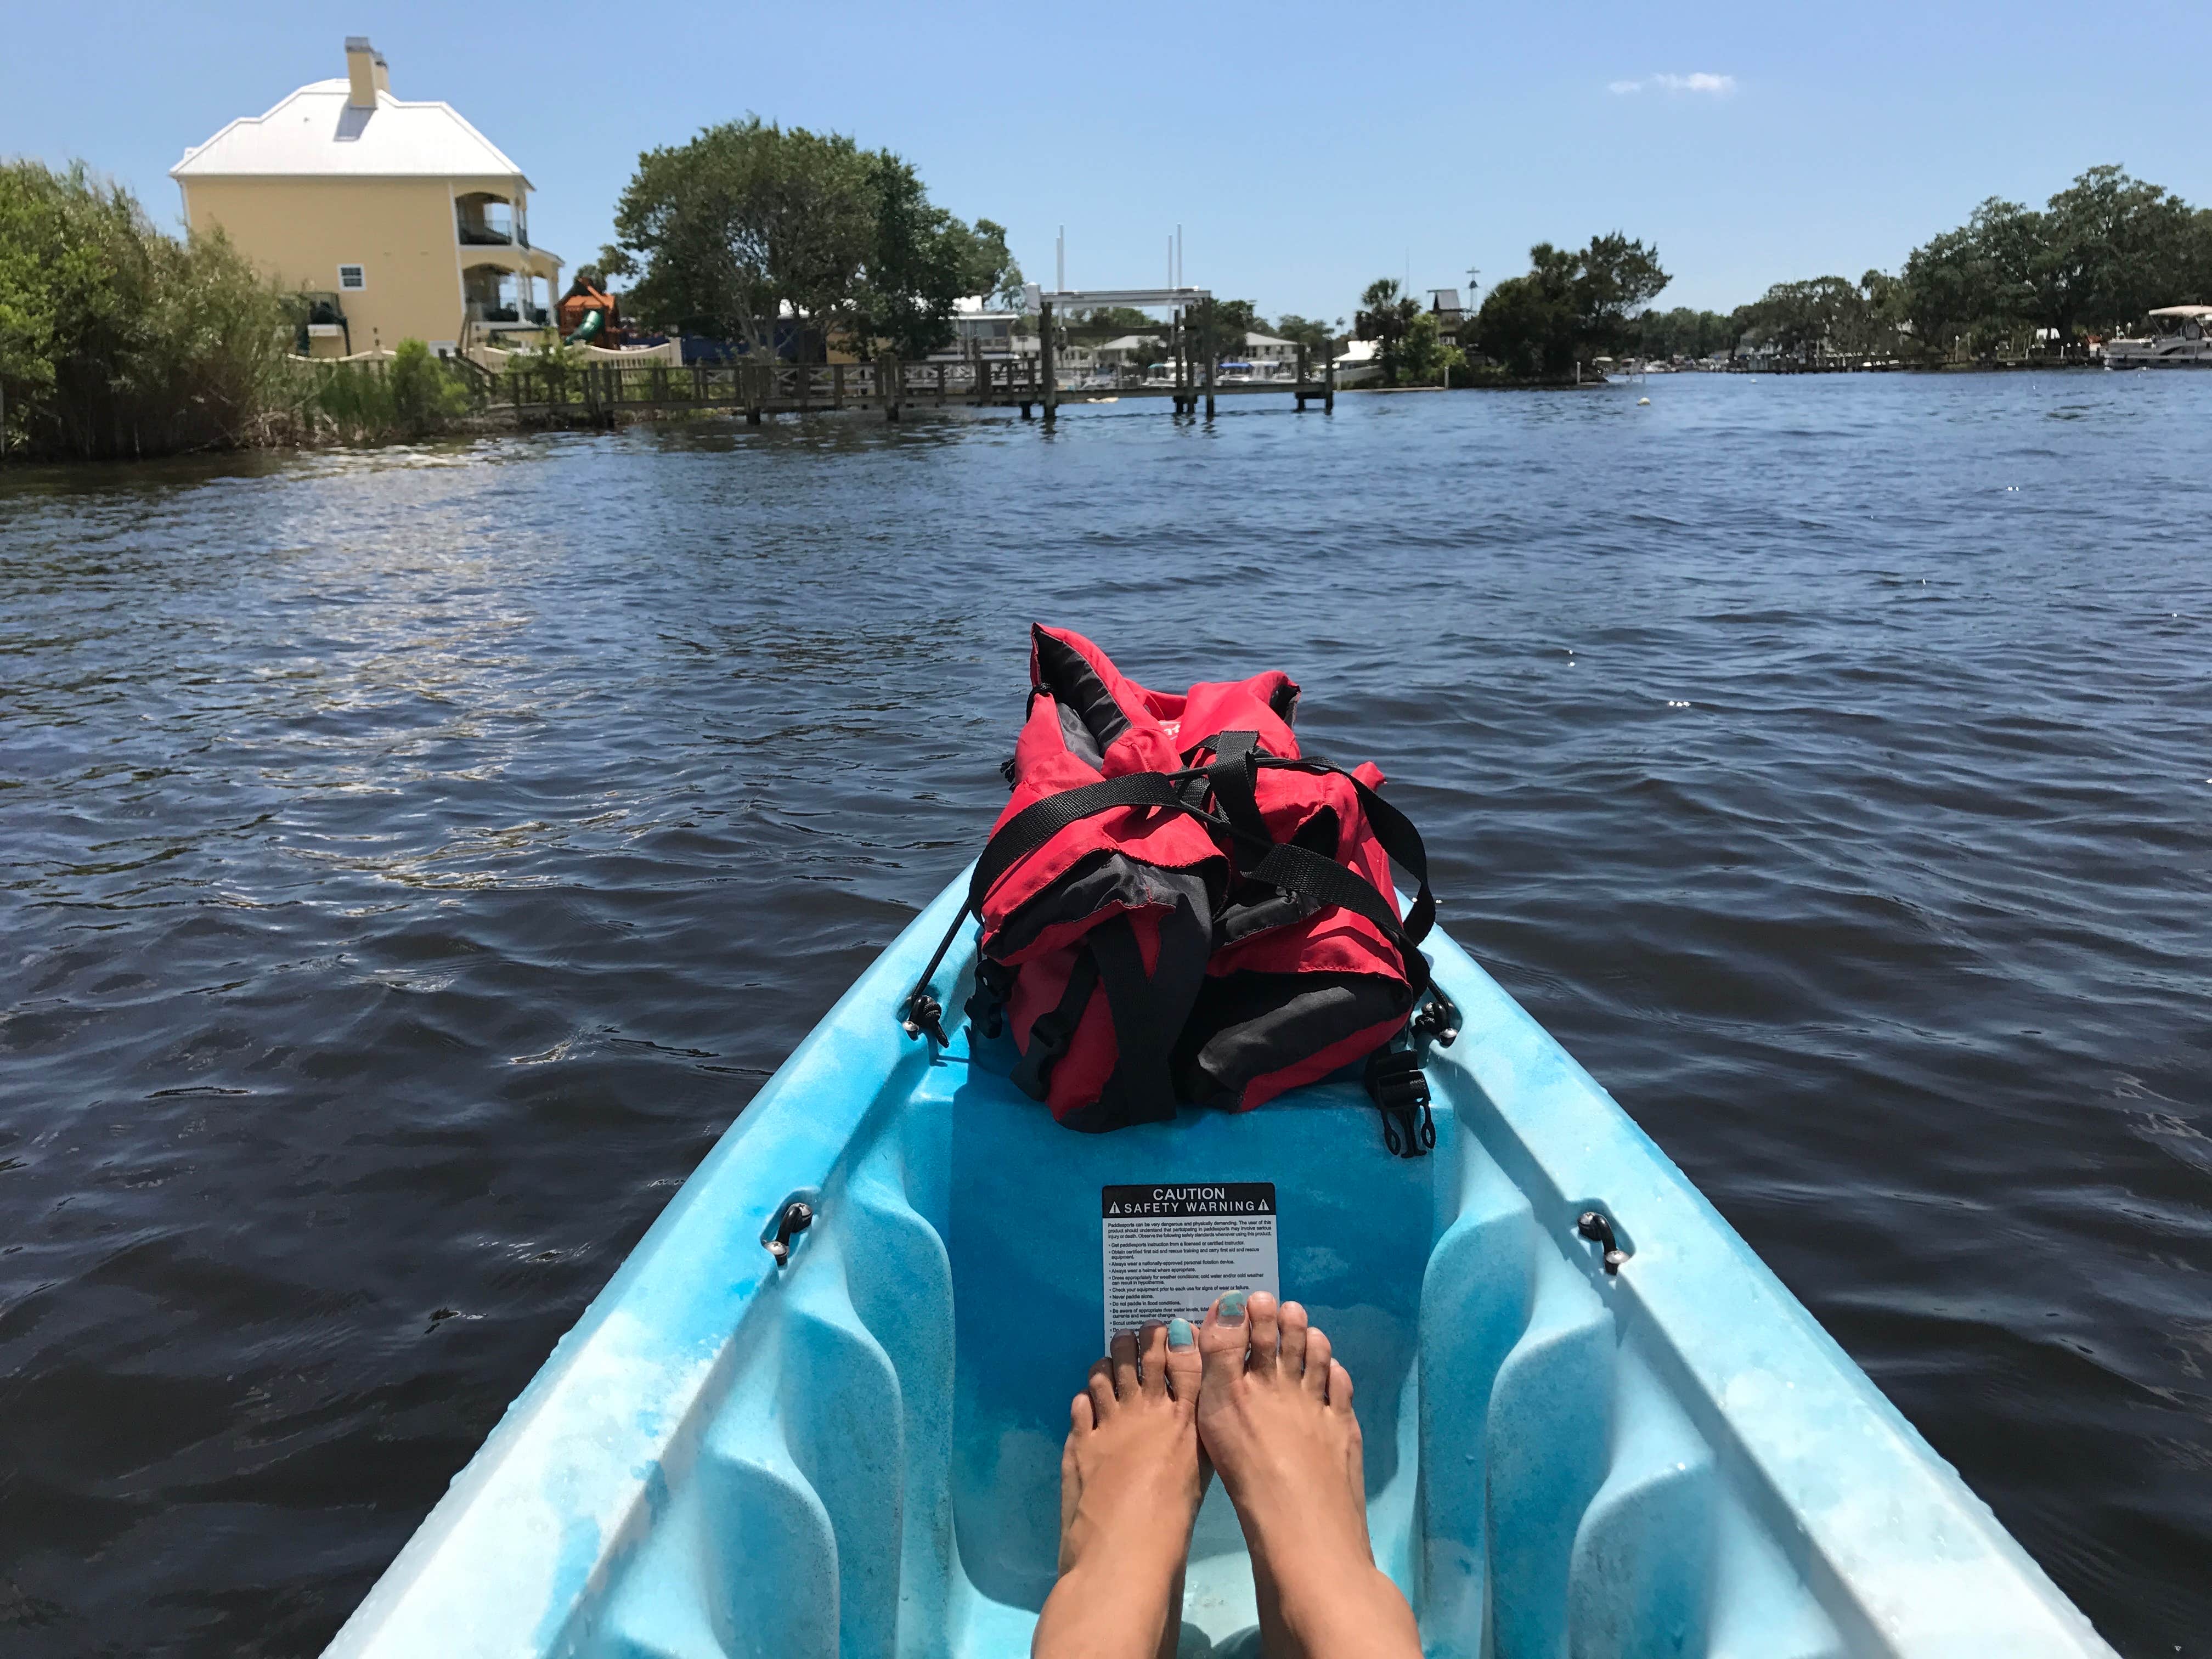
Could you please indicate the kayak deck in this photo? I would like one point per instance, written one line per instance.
(858, 1453)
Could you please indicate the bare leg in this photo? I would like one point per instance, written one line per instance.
(1275, 1413)
(1130, 1482)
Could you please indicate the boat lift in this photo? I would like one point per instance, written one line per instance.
(1191, 349)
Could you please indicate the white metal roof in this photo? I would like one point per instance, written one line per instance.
(316, 132)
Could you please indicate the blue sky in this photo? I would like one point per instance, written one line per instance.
(1304, 149)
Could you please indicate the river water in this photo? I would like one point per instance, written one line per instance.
(411, 861)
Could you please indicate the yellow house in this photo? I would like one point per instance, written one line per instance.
(400, 220)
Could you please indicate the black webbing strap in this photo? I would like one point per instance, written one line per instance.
(1397, 835)
(1299, 870)
(1033, 826)
(1148, 1011)
(1234, 780)
(1050, 1033)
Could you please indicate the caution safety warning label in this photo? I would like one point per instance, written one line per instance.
(1171, 1249)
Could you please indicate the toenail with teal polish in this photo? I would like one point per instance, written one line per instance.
(1232, 1308)
(1180, 1335)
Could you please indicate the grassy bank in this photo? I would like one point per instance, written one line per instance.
(119, 340)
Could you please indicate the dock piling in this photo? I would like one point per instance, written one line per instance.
(1045, 342)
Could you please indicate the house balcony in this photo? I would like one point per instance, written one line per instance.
(520, 261)
(482, 219)
(488, 314)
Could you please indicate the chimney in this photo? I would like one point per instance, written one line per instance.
(366, 75)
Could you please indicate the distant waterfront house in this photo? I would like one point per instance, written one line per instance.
(1268, 348)
(397, 219)
(1131, 351)
(977, 331)
(1444, 306)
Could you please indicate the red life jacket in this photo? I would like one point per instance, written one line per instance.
(1177, 905)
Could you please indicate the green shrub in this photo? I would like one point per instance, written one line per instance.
(426, 394)
(411, 394)
(119, 340)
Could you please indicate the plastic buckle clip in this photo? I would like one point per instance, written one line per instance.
(1400, 1093)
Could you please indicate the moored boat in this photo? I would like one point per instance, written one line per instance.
(2179, 337)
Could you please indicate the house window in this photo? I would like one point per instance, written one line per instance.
(352, 278)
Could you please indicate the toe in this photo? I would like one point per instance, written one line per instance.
(1184, 1364)
(1124, 1351)
(1222, 1338)
(1265, 1333)
(1317, 1365)
(1079, 1420)
(1152, 1351)
(1101, 1388)
(1339, 1388)
(1293, 1321)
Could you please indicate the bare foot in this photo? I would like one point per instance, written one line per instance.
(1275, 1413)
(1130, 1482)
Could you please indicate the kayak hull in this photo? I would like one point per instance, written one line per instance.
(857, 1453)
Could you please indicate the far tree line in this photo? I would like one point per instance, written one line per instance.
(748, 223)
(2012, 280)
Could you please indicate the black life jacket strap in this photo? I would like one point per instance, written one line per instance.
(1397, 835)
(1233, 780)
(1051, 1032)
(1037, 823)
(1148, 1010)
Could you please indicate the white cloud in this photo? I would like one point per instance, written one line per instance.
(1712, 86)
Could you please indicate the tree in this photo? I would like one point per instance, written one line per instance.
(992, 267)
(1573, 305)
(1315, 335)
(1423, 356)
(1803, 320)
(1683, 333)
(923, 259)
(1385, 313)
(1527, 326)
(749, 222)
(2111, 248)
(1224, 323)
(1973, 284)
(1614, 277)
(1106, 323)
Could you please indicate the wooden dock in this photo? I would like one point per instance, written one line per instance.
(603, 393)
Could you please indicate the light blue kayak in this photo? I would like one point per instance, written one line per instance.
(856, 1451)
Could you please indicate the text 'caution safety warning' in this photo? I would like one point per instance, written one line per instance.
(1171, 1249)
